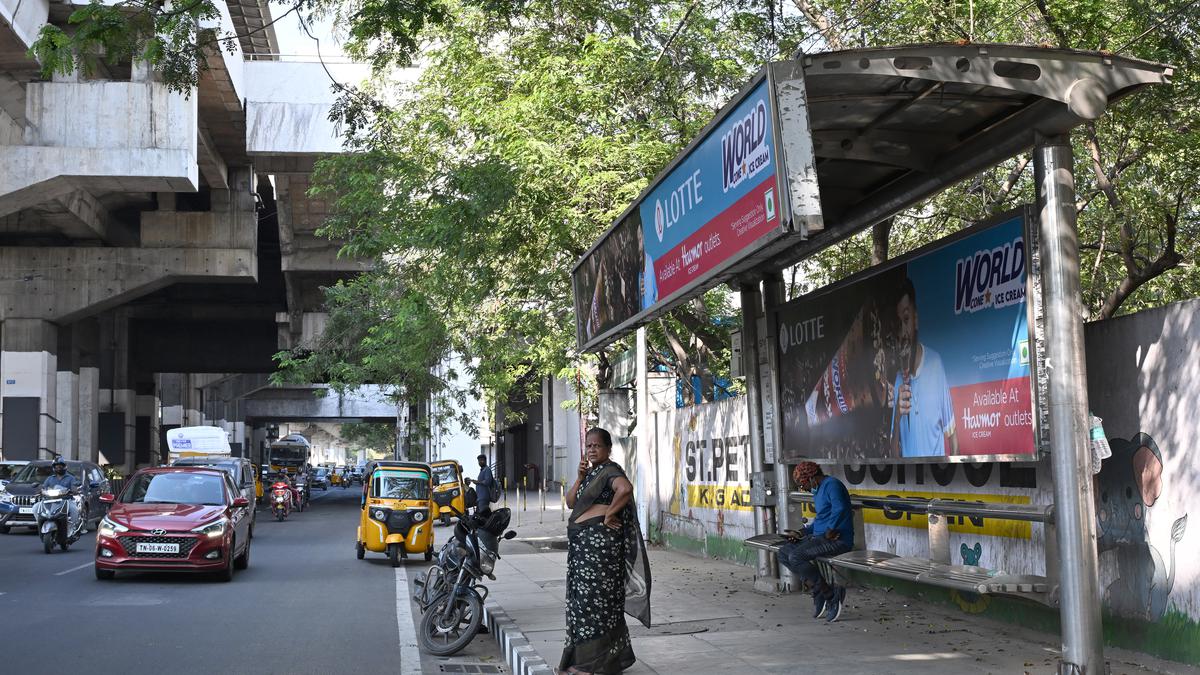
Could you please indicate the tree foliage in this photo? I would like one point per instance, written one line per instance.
(536, 122)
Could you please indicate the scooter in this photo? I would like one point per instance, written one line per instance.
(281, 501)
(302, 488)
(56, 521)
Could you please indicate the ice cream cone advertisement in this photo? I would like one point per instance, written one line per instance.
(926, 357)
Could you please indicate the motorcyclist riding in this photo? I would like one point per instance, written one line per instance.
(284, 480)
(60, 477)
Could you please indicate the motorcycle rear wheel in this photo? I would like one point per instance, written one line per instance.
(449, 638)
(48, 541)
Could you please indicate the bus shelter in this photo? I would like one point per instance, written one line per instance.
(818, 148)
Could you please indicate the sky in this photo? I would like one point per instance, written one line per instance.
(293, 40)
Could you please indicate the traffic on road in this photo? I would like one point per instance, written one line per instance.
(163, 545)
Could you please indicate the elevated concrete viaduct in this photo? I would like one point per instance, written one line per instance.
(156, 247)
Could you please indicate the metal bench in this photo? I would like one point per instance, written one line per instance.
(936, 570)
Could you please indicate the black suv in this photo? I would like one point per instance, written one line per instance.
(24, 489)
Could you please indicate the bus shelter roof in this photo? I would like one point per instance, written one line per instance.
(894, 126)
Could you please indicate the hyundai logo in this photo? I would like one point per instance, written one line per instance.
(158, 533)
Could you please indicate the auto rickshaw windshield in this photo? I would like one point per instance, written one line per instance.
(400, 485)
(446, 474)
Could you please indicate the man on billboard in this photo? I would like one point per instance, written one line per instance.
(922, 413)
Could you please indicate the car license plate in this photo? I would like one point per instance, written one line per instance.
(158, 548)
(26, 509)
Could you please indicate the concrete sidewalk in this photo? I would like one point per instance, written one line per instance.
(706, 618)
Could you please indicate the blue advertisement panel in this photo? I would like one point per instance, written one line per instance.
(928, 357)
(717, 201)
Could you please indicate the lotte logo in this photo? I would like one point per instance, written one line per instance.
(660, 220)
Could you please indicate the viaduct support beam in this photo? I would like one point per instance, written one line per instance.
(765, 578)
(1075, 517)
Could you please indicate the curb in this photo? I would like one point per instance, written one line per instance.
(518, 653)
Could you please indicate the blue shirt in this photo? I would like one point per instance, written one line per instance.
(832, 502)
(484, 486)
(67, 481)
(923, 430)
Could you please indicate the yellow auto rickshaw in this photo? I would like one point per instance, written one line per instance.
(258, 486)
(450, 491)
(397, 511)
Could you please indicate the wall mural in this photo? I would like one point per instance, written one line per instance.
(1128, 486)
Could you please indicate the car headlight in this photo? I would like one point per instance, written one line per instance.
(214, 529)
(4, 496)
(109, 527)
(456, 492)
(419, 516)
(380, 515)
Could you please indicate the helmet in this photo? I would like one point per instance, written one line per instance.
(58, 461)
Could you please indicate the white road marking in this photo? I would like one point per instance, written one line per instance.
(73, 569)
(410, 655)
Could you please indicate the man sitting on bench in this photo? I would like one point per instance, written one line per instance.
(830, 534)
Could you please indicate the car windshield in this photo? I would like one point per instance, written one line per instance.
(446, 474)
(36, 473)
(400, 485)
(175, 488)
(7, 470)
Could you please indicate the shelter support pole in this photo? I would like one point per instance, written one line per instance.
(1075, 518)
(787, 515)
(764, 572)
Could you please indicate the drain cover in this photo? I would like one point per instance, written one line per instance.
(471, 668)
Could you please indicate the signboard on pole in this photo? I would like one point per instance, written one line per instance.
(927, 358)
(745, 183)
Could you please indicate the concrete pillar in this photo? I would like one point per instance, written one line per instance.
(89, 413)
(28, 389)
(146, 417)
(67, 434)
(117, 398)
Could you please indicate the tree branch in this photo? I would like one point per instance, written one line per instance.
(880, 238)
(818, 20)
(1053, 25)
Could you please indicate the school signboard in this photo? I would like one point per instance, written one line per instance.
(746, 182)
(928, 358)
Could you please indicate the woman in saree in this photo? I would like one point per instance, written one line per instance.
(607, 571)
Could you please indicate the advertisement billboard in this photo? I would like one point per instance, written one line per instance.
(721, 198)
(724, 198)
(927, 358)
(608, 284)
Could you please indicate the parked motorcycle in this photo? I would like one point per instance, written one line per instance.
(281, 501)
(450, 594)
(57, 522)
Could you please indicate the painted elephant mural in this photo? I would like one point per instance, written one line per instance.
(1129, 484)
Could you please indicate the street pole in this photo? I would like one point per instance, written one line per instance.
(775, 295)
(764, 571)
(1074, 513)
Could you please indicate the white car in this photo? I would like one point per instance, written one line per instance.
(8, 468)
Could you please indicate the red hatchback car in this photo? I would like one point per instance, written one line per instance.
(189, 519)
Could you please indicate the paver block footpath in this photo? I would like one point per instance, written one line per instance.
(708, 619)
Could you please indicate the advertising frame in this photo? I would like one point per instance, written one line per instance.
(1034, 321)
(797, 176)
